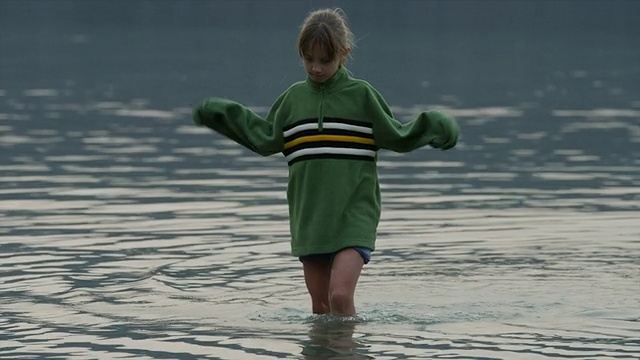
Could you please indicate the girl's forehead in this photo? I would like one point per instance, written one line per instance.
(317, 49)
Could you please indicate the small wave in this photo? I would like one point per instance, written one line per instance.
(387, 314)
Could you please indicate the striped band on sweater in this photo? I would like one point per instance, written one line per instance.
(339, 139)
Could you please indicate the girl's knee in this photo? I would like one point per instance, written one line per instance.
(340, 298)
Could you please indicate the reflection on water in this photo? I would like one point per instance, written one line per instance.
(333, 339)
(127, 232)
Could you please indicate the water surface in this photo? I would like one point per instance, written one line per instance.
(126, 232)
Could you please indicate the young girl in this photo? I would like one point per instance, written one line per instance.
(329, 128)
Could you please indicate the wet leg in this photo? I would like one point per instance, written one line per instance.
(317, 274)
(345, 271)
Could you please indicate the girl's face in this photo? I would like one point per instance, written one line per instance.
(318, 64)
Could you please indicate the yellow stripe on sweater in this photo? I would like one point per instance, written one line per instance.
(342, 138)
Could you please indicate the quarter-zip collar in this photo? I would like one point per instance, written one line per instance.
(332, 83)
(323, 88)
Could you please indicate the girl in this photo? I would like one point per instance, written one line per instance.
(329, 128)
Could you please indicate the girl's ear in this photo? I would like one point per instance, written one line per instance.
(344, 55)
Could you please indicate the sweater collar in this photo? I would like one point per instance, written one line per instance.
(337, 78)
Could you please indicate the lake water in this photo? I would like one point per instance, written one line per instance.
(127, 232)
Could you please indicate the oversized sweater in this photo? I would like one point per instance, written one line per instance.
(329, 134)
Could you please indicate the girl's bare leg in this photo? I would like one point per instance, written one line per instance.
(345, 271)
(317, 275)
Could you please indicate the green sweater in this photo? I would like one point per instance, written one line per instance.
(329, 133)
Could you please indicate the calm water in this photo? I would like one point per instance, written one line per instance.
(126, 232)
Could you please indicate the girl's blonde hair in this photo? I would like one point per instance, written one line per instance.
(327, 28)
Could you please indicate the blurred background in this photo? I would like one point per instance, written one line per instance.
(559, 53)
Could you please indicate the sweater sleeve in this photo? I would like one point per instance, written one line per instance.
(432, 128)
(240, 124)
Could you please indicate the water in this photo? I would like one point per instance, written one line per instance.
(126, 232)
